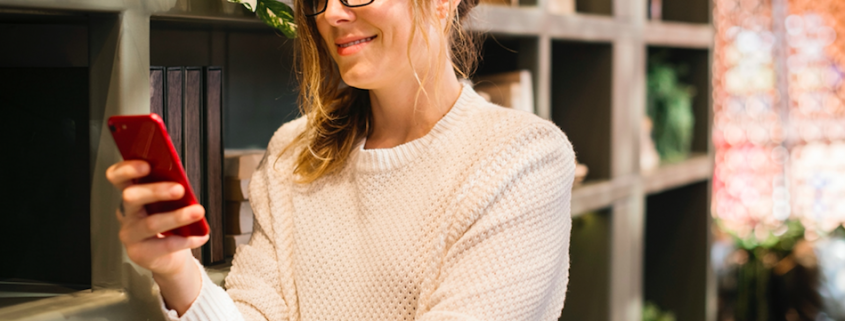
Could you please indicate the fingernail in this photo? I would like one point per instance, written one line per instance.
(196, 214)
(176, 190)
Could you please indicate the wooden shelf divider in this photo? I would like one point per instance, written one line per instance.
(693, 170)
(594, 196)
(679, 35)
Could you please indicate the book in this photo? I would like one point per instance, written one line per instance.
(655, 9)
(157, 83)
(236, 189)
(192, 135)
(561, 7)
(240, 164)
(231, 242)
(581, 172)
(174, 81)
(509, 89)
(212, 151)
(239, 218)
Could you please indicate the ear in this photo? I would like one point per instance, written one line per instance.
(445, 6)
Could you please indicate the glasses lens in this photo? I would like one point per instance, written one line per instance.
(314, 6)
(358, 3)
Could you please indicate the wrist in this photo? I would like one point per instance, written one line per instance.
(187, 268)
(182, 287)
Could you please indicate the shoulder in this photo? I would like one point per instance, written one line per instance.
(280, 141)
(511, 153)
(492, 129)
(286, 134)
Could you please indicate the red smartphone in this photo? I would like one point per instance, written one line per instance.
(144, 137)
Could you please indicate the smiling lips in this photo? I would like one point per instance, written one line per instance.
(351, 47)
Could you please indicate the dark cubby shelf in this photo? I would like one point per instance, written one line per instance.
(690, 11)
(581, 101)
(599, 7)
(45, 240)
(260, 89)
(503, 53)
(44, 43)
(676, 250)
(587, 297)
(697, 64)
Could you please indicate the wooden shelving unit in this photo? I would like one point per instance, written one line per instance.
(697, 168)
(589, 73)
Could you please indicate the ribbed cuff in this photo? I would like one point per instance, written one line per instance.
(213, 303)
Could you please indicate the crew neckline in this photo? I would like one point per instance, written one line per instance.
(385, 159)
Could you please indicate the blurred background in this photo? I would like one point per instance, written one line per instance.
(779, 178)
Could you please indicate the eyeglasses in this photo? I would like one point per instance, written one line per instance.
(315, 7)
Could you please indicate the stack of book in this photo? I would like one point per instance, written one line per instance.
(190, 100)
(561, 7)
(239, 166)
(508, 89)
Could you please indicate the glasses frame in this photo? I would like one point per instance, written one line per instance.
(343, 2)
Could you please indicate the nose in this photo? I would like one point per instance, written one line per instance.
(337, 14)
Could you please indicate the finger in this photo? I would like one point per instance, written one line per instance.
(121, 174)
(154, 248)
(136, 196)
(153, 225)
(120, 213)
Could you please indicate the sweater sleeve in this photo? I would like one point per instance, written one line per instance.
(211, 304)
(511, 260)
(254, 290)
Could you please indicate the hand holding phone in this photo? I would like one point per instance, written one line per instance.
(144, 137)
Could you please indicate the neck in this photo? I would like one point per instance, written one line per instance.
(396, 117)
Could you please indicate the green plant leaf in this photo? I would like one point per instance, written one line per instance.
(278, 15)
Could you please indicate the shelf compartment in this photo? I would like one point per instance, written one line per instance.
(597, 7)
(50, 197)
(257, 70)
(680, 35)
(42, 41)
(677, 250)
(588, 293)
(502, 53)
(697, 75)
(699, 167)
(691, 11)
(581, 101)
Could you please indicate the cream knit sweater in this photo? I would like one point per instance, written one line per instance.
(470, 222)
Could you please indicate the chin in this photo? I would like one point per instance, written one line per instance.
(360, 78)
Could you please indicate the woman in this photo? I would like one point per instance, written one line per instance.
(404, 196)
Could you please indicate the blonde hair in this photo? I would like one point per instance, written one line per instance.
(338, 118)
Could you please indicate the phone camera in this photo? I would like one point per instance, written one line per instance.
(112, 128)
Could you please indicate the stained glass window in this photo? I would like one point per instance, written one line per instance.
(779, 140)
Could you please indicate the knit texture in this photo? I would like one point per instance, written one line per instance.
(469, 222)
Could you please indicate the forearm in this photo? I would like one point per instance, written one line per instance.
(180, 290)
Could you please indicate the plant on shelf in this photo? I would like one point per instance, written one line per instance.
(766, 267)
(274, 13)
(651, 312)
(669, 106)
